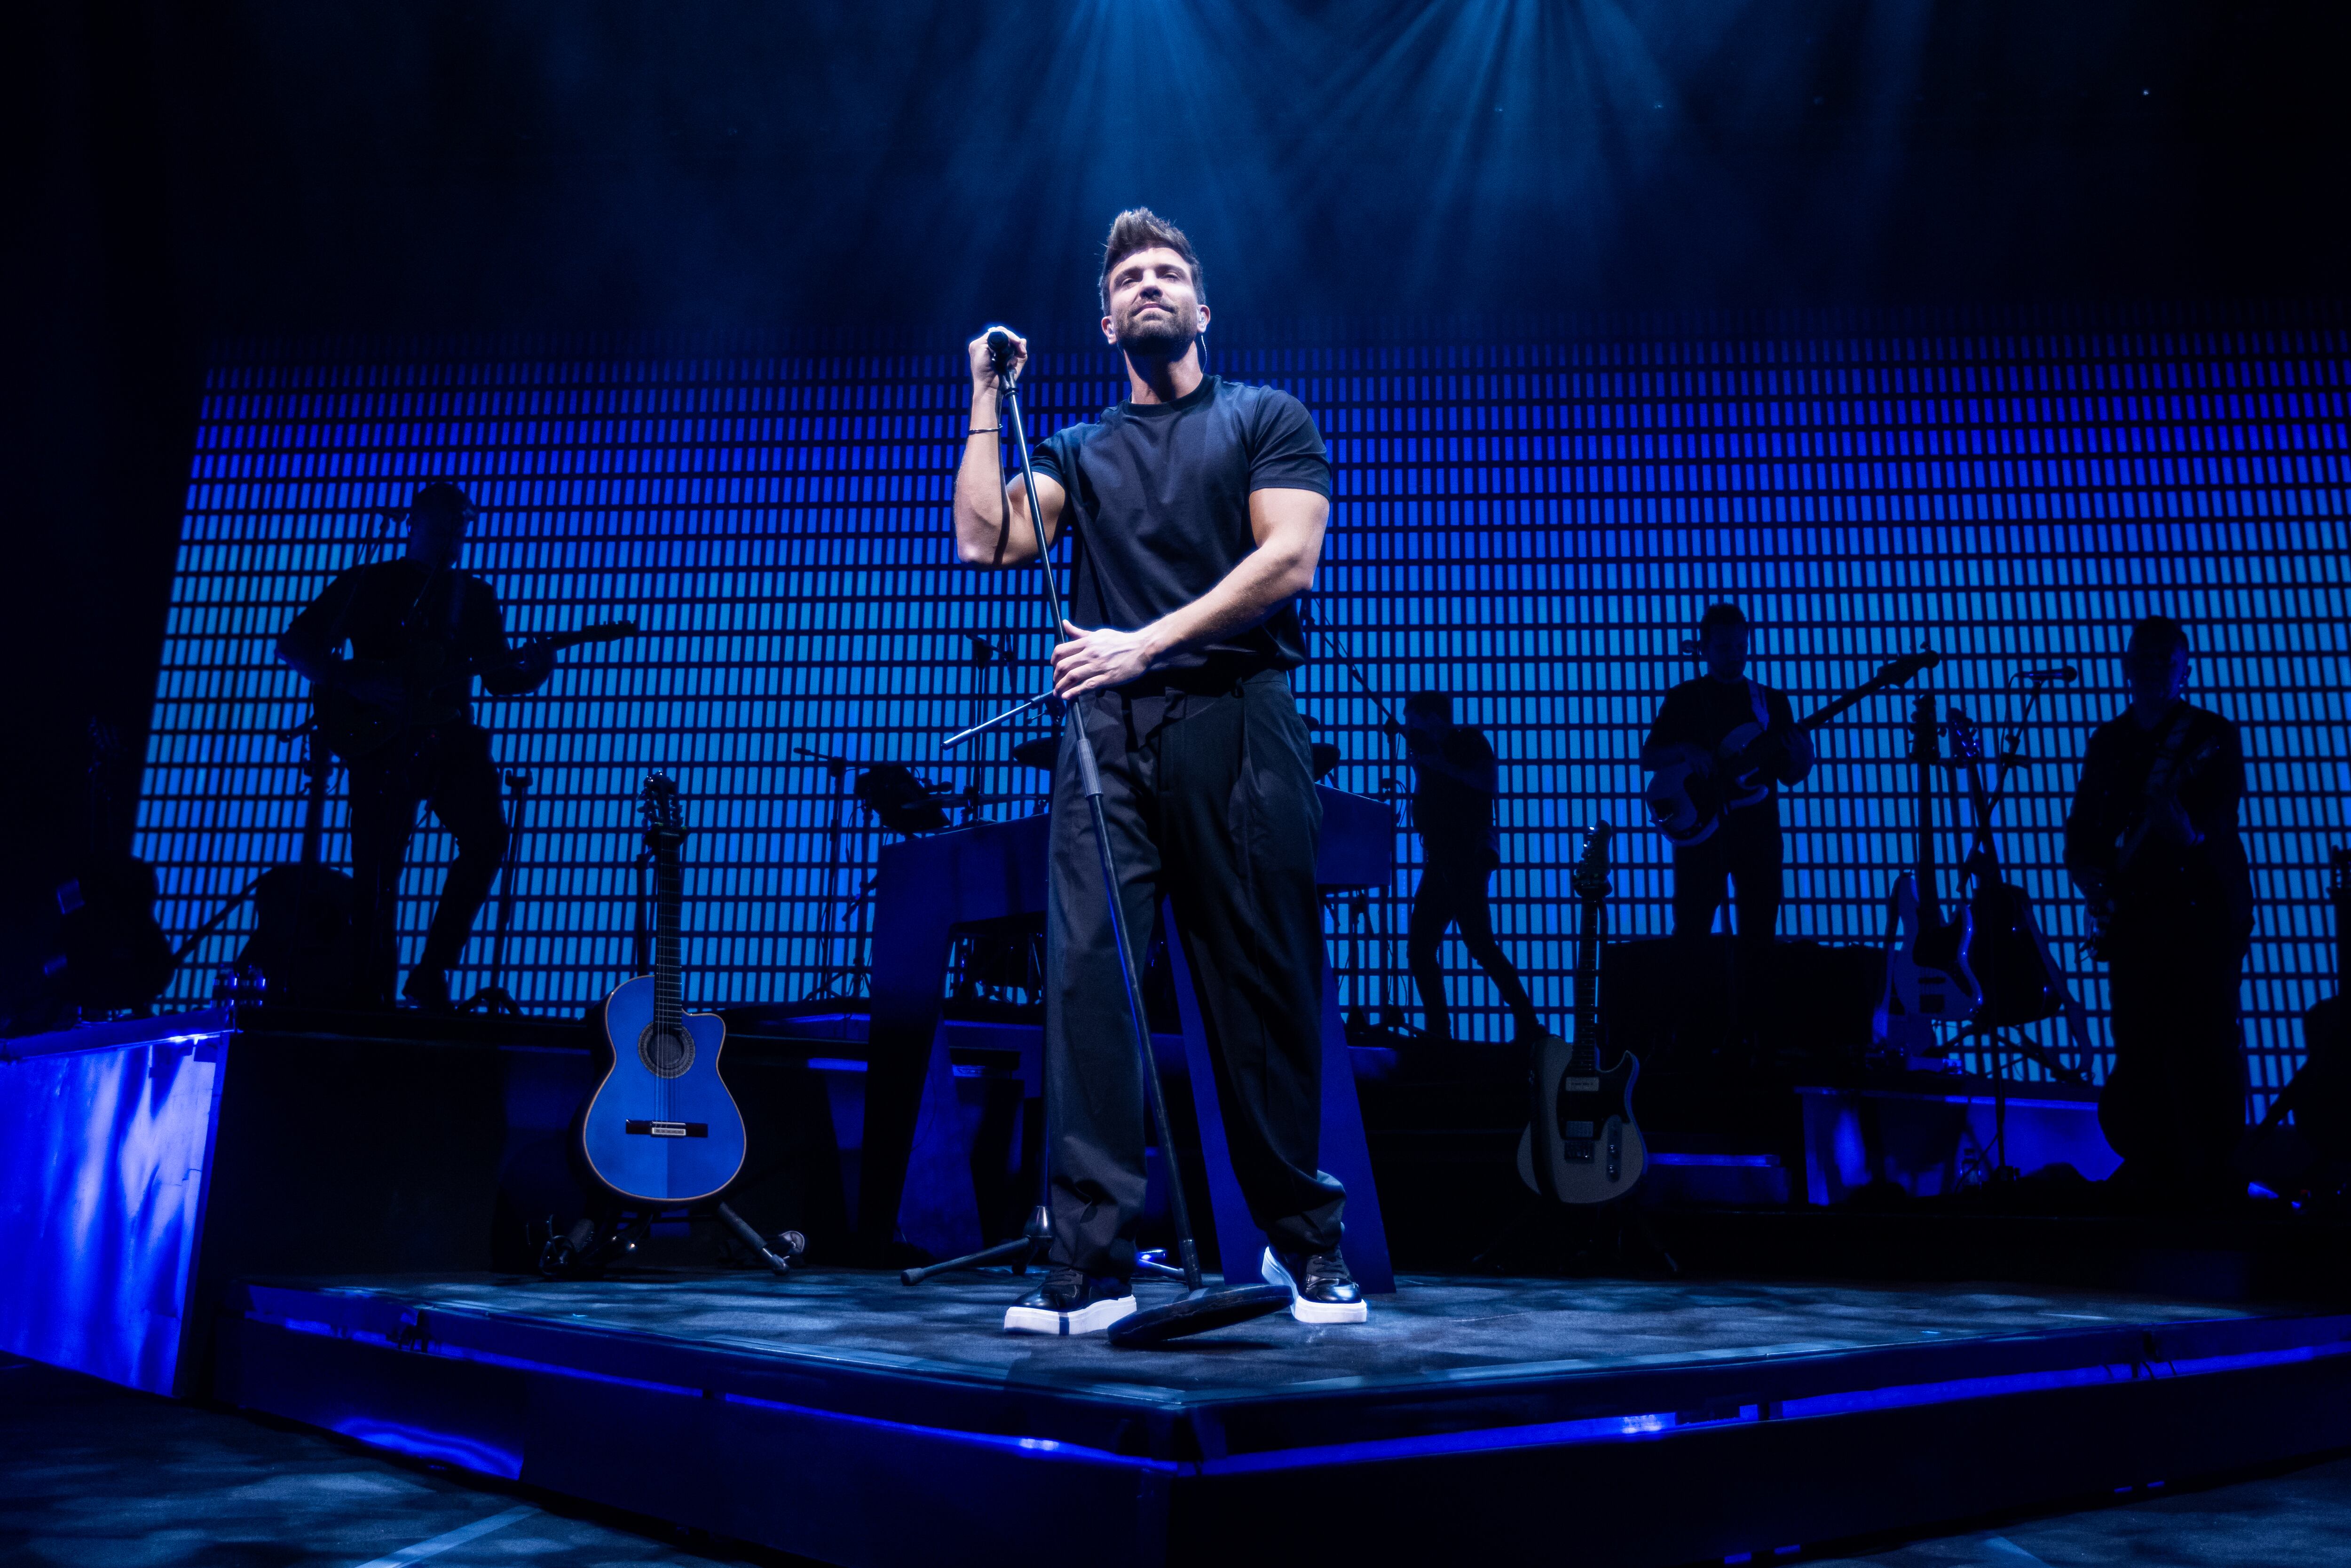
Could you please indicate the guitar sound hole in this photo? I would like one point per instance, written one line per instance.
(665, 1053)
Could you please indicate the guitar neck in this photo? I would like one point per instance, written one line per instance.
(1585, 1058)
(1930, 909)
(669, 988)
(314, 810)
(2341, 892)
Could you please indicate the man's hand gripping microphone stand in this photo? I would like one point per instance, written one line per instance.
(1199, 1309)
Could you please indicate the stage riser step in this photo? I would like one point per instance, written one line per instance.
(858, 1490)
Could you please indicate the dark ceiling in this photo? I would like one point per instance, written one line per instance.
(216, 169)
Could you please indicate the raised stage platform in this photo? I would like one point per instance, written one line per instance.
(838, 1414)
(303, 1214)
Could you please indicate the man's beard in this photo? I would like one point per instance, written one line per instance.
(1159, 336)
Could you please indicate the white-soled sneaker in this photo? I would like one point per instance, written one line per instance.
(1320, 1289)
(1071, 1301)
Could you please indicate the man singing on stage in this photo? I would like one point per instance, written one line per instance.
(2152, 843)
(1198, 507)
(419, 630)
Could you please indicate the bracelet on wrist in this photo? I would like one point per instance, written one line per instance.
(983, 430)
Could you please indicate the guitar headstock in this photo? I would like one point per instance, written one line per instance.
(1967, 740)
(607, 631)
(665, 820)
(1592, 866)
(1924, 732)
(2338, 875)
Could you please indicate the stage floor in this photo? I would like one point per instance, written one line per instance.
(1432, 1328)
(825, 1412)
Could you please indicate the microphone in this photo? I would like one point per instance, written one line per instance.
(2055, 672)
(999, 348)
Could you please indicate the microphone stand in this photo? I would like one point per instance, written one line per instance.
(1199, 1309)
(833, 975)
(1383, 912)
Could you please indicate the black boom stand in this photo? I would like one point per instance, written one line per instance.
(1199, 1309)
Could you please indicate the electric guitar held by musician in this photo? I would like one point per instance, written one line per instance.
(353, 725)
(2165, 780)
(663, 1128)
(1582, 1145)
(1690, 796)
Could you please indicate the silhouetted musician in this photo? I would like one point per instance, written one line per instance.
(398, 712)
(1456, 781)
(2152, 843)
(1742, 857)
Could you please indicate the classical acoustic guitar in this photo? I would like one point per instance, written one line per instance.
(661, 1127)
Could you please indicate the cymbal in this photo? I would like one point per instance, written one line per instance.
(1041, 752)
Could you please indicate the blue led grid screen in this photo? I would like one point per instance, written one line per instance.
(1531, 526)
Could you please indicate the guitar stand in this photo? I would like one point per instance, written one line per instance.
(590, 1248)
(1616, 1236)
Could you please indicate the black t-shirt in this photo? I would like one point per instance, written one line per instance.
(399, 611)
(1158, 497)
(2166, 882)
(1456, 821)
(1704, 711)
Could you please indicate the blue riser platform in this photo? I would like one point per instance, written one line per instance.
(842, 1450)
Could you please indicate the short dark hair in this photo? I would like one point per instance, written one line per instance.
(2157, 637)
(1720, 615)
(442, 497)
(1140, 228)
(1436, 705)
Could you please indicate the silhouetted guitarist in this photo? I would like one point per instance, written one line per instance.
(419, 630)
(1742, 857)
(2152, 843)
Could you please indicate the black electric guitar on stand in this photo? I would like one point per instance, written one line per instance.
(2022, 982)
(1582, 1145)
(1927, 978)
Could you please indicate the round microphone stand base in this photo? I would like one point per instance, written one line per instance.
(1197, 1311)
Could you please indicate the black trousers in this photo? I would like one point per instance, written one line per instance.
(1742, 858)
(1210, 803)
(2174, 1105)
(1453, 893)
(450, 770)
